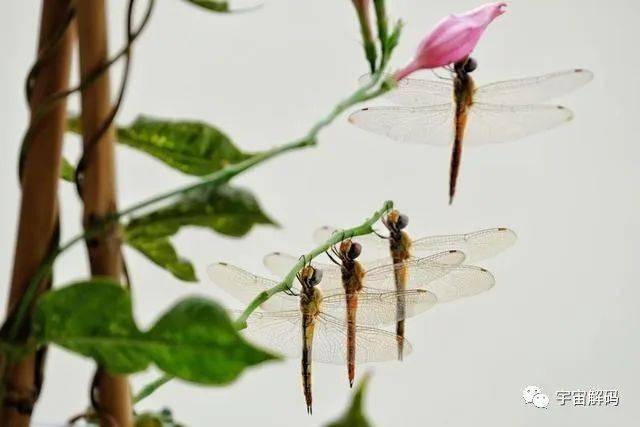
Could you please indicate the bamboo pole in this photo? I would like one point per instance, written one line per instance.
(99, 190)
(38, 221)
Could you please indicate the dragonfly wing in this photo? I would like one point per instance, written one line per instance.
(490, 123)
(421, 271)
(418, 92)
(372, 345)
(279, 331)
(324, 233)
(245, 286)
(423, 125)
(532, 90)
(476, 246)
(378, 307)
(281, 264)
(460, 282)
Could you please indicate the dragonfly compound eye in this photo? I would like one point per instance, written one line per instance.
(402, 221)
(470, 65)
(354, 251)
(316, 277)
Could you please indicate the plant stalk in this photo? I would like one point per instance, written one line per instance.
(99, 190)
(38, 218)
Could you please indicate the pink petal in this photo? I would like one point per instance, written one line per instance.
(453, 38)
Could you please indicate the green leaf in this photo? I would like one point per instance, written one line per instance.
(224, 209)
(195, 340)
(192, 147)
(68, 172)
(355, 417)
(214, 5)
(94, 319)
(205, 346)
(161, 252)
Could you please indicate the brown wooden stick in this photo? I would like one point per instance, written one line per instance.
(99, 190)
(38, 221)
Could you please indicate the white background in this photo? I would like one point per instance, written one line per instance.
(564, 312)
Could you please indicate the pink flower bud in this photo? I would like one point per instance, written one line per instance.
(453, 39)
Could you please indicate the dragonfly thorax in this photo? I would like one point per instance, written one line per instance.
(352, 274)
(310, 301)
(400, 246)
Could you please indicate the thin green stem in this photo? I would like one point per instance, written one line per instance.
(383, 31)
(151, 387)
(224, 175)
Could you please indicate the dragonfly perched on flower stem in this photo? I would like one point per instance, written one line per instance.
(441, 274)
(455, 111)
(398, 245)
(309, 324)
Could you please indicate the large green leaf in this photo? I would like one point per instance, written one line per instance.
(94, 319)
(355, 417)
(195, 340)
(224, 209)
(204, 345)
(192, 147)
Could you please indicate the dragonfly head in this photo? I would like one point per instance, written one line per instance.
(310, 276)
(396, 221)
(464, 67)
(350, 250)
(470, 65)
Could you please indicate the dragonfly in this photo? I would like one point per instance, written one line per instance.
(312, 325)
(453, 111)
(476, 246)
(441, 274)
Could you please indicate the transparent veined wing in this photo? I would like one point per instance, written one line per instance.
(281, 264)
(490, 123)
(432, 125)
(418, 92)
(372, 345)
(460, 282)
(324, 233)
(532, 90)
(477, 245)
(281, 332)
(421, 271)
(376, 307)
(245, 286)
